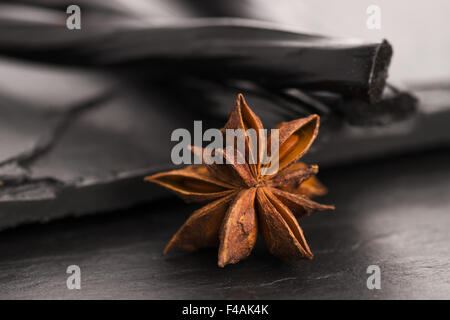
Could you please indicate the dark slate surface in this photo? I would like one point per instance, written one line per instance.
(393, 213)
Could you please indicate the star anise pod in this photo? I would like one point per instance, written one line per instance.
(242, 200)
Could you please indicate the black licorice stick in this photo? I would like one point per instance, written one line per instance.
(226, 48)
(257, 51)
(239, 49)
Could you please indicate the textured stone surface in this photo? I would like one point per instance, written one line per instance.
(392, 213)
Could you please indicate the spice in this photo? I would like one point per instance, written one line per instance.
(242, 200)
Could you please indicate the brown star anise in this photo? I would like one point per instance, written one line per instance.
(242, 200)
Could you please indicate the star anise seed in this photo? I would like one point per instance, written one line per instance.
(243, 201)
